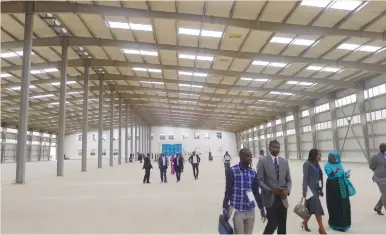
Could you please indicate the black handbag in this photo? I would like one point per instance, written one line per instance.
(223, 226)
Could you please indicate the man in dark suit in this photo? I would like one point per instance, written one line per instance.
(195, 161)
(178, 166)
(147, 166)
(163, 166)
(275, 183)
(378, 166)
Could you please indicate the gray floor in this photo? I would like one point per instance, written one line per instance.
(114, 200)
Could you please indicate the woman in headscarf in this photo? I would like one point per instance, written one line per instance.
(172, 164)
(313, 180)
(338, 191)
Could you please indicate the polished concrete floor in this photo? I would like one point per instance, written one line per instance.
(113, 200)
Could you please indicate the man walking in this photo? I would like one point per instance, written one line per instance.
(227, 162)
(147, 166)
(275, 183)
(178, 166)
(195, 161)
(163, 164)
(378, 166)
(242, 190)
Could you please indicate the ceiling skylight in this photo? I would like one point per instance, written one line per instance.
(191, 73)
(124, 25)
(187, 94)
(297, 41)
(149, 82)
(346, 5)
(265, 63)
(280, 65)
(148, 70)
(369, 48)
(280, 93)
(48, 70)
(330, 69)
(194, 57)
(282, 40)
(17, 88)
(140, 52)
(300, 83)
(5, 75)
(13, 54)
(255, 79)
(42, 96)
(258, 62)
(348, 46)
(188, 85)
(268, 101)
(197, 32)
(58, 83)
(314, 68)
(316, 3)
(303, 42)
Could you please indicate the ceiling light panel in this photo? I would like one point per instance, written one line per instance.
(5, 75)
(17, 88)
(280, 93)
(58, 83)
(147, 70)
(330, 69)
(282, 40)
(132, 26)
(369, 48)
(348, 46)
(43, 96)
(317, 3)
(197, 32)
(140, 52)
(191, 73)
(258, 62)
(303, 42)
(314, 68)
(346, 5)
(13, 54)
(149, 82)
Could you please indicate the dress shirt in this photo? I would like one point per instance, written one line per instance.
(273, 159)
(194, 159)
(164, 161)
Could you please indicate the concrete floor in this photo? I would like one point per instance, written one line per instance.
(113, 200)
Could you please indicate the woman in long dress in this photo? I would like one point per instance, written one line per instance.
(313, 180)
(172, 164)
(337, 194)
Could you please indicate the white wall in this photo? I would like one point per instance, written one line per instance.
(216, 146)
(72, 145)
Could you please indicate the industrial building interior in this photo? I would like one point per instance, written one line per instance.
(182, 76)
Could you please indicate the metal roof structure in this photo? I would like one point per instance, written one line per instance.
(200, 64)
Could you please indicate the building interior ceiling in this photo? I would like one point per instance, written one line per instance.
(224, 65)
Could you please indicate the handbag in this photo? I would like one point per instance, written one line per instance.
(301, 210)
(350, 188)
(223, 226)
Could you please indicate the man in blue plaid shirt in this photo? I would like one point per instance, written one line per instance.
(242, 190)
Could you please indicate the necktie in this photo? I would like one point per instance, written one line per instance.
(276, 164)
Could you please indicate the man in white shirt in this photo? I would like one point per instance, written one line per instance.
(163, 166)
(227, 162)
(195, 161)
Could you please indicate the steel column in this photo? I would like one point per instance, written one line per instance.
(100, 130)
(111, 162)
(285, 137)
(135, 136)
(259, 139)
(132, 133)
(298, 133)
(266, 138)
(362, 112)
(85, 115)
(126, 133)
(41, 147)
(313, 127)
(24, 94)
(334, 125)
(120, 133)
(62, 107)
(143, 139)
(150, 139)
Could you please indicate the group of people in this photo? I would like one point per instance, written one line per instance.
(176, 164)
(273, 179)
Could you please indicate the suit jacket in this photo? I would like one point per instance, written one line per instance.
(311, 178)
(378, 165)
(147, 163)
(266, 175)
(191, 159)
(160, 163)
(178, 164)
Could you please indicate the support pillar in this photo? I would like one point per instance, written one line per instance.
(334, 125)
(259, 132)
(143, 139)
(126, 133)
(285, 137)
(62, 106)
(85, 115)
(313, 127)
(111, 162)
(362, 112)
(135, 136)
(150, 139)
(266, 138)
(120, 133)
(296, 114)
(100, 122)
(132, 133)
(24, 94)
(41, 147)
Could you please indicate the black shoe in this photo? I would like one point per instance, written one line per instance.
(379, 212)
(148, 182)
(165, 181)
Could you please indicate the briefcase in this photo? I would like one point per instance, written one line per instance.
(223, 226)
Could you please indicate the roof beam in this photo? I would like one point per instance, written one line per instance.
(86, 41)
(69, 7)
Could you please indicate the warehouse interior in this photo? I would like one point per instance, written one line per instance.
(209, 76)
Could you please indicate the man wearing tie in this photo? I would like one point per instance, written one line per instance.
(275, 182)
(378, 166)
(195, 161)
(163, 166)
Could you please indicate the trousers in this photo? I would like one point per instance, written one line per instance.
(277, 218)
(195, 170)
(178, 175)
(163, 173)
(227, 166)
(382, 200)
(146, 178)
(243, 221)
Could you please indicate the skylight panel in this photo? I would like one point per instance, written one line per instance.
(150, 53)
(346, 5)
(292, 82)
(258, 62)
(42, 96)
(186, 31)
(185, 73)
(141, 27)
(280, 93)
(188, 85)
(140, 52)
(155, 70)
(306, 83)
(369, 48)
(348, 46)
(117, 25)
(50, 70)
(186, 56)
(149, 82)
(280, 65)
(200, 74)
(330, 69)
(275, 92)
(58, 83)
(286, 93)
(209, 33)
(282, 40)
(5, 75)
(205, 58)
(246, 79)
(140, 69)
(196, 86)
(130, 51)
(303, 42)
(312, 3)
(314, 68)
(13, 54)
(260, 80)
(17, 88)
